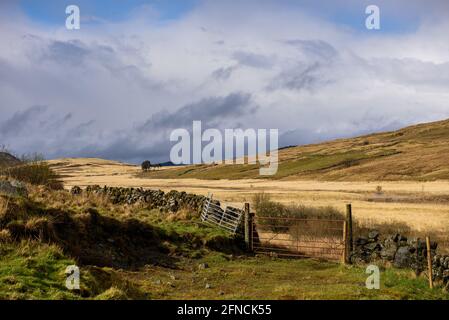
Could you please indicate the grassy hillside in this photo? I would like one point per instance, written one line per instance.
(7, 160)
(414, 153)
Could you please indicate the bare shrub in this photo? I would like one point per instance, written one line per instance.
(274, 215)
(35, 173)
(379, 189)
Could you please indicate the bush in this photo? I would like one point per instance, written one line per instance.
(36, 173)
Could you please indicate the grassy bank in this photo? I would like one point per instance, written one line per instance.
(130, 252)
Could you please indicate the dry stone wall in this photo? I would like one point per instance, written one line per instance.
(401, 252)
(155, 199)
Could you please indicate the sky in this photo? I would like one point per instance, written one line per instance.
(136, 70)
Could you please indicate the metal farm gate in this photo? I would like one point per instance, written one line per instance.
(228, 219)
(296, 237)
(329, 239)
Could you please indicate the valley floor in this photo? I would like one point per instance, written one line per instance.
(423, 206)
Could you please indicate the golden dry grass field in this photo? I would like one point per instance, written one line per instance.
(423, 206)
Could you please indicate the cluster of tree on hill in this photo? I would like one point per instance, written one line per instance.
(147, 165)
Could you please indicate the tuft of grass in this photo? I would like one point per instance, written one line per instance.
(31, 270)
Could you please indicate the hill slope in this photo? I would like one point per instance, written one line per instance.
(417, 152)
(7, 160)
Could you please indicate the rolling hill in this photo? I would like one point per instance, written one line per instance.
(417, 152)
(7, 160)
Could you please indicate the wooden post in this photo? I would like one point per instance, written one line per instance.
(349, 240)
(345, 240)
(251, 231)
(429, 262)
(247, 226)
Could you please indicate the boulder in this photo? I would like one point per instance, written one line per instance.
(402, 258)
(360, 241)
(13, 188)
(388, 251)
(373, 234)
(372, 246)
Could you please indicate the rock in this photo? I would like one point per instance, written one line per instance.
(208, 286)
(446, 262)
(436, 260)
(402, 258)
(373, 234)
(157, 282)
(172, 201)
(388, 252)
(372, 246)
(13, 188)
(403, 243)
(202, 266)
(360, 241)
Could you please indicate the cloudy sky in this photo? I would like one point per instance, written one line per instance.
(138, 69)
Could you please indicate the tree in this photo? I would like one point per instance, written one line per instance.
(146, 165)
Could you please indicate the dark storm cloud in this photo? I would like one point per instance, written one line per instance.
(71, 52)
(316, 49)
(309, 77)
(312, 68)
(207, 110)
(254, 60)
(125, 149)
(20, 121)
(223, 73)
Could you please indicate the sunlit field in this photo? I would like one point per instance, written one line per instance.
(423, 206)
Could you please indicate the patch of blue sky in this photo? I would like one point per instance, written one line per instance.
(53, 11)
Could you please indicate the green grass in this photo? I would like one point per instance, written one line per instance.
(29, 270)
(271, 278)
(36, 271)
(306, 164)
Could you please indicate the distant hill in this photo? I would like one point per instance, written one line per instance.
(418, 152)
(7, 160)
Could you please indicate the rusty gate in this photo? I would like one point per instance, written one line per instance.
(297, 237)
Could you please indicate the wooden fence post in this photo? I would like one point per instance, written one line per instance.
(251, 231)
(345, 239)
(429, 263)
(349, 240)
(247, 226)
